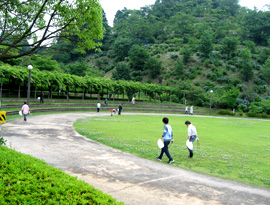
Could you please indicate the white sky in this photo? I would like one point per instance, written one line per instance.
(112, 6)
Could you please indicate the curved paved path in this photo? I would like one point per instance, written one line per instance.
(126, 177)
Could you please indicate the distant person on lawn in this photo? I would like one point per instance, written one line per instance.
(98, 107)
(186, 110)
(41, 97)
(167, 136)
(191, 110)
(25, 111)
(120, 108)
(192, 135)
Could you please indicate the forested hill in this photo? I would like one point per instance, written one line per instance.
(191, 44)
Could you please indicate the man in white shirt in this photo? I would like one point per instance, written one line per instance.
(186, 110)
(192, 135)
(98, 107)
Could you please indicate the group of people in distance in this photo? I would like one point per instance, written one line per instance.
(190, 111)
(120, 107)
(167, 137)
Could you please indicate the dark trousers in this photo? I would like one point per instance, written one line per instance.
(166, 150)
(192, 139)
(190, 153)
(25, 119)
(98, 109)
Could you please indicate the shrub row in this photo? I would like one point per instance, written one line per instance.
(27, 180)
(259, 115)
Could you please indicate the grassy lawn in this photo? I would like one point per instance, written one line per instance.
(235, 149)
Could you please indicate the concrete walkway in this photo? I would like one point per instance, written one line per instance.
(127, 178)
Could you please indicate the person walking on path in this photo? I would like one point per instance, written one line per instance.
(186, 110)
(25, 111)
(191, 110)
(98, 107)
(192, 135)
(120, 108)
(167, 137)
(41, 97)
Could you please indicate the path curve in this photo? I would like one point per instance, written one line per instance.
(126, 177)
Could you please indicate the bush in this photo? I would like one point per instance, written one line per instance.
(2, 141)
(28, 180)
(251, 114)
(226, 112)
(174, 55)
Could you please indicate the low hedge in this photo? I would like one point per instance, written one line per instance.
(27, 180)
(226, 112)
(259, 115)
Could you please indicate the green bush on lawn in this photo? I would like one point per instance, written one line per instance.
(27, 180)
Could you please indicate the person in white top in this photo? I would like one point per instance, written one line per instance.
(98, 107)
(133, 100)
(192, 135)
(186, 110)
(25, 111)
(191, 110)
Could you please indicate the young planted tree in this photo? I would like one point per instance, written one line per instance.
(206, 43)
(265, 73)
(122, 72)
(230, 44)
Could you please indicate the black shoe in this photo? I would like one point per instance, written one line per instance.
(159, 159)
(189, 157)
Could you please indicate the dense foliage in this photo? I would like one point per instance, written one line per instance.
(27, 180)
(26, 26)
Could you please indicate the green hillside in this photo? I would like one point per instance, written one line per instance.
(193, 46)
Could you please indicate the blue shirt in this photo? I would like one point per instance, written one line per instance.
(167, 132)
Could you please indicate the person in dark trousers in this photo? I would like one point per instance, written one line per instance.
(192, 135)
(98, 107)
(41, 97)
(167, 136)
(25, 111)
(105, 102)
(120, 108)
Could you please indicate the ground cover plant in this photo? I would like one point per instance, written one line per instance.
(230, 148)
(27, 180)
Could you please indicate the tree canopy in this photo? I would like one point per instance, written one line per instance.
(26, 26)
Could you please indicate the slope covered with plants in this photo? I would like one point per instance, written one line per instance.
(192, 46)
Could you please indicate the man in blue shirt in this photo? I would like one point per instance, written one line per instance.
(167, 137)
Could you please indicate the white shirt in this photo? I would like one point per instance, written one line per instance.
(192, 130)
(98, 105)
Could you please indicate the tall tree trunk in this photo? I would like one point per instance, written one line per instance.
(67, 93)
(90, 91)
(19, 91)
(9, 87)
(35, 91)
(50, 92)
